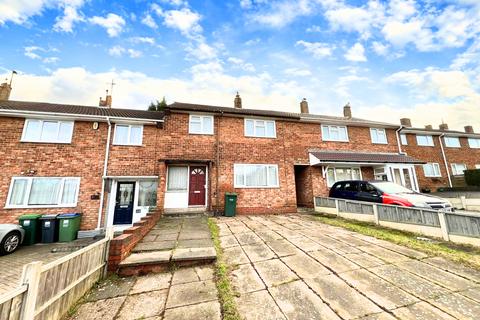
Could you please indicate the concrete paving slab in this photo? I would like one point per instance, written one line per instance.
(247, 238)
(421, 310)
(234, 256)
(184, 275)
(183, 254)
(101, 309)
(283, 248)
(268, 235)
(379, 316)
(239, 229)
(384, 254)
(297, 301)
(163, 236)
(195, 243)
(185, 235)
(327, 242)
(365, 260)
(343, 299)
(258, 252)
(405, 251)
(143, 305)
(409, 282)
(149, 257)
(151, 282)
(343, 250)
(305, 266)
(154, 246)
(274, 272)
(205, 272)
(191, 293)
(111, 288)
(202, 311)
(434, 274)
(333, 260)
(473, 293)
(455, 267)
(458, 306)
(245, 279)
(376, 289)
(228, 241)
(265, 307)
(305, 243)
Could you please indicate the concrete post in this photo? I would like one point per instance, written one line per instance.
(464, 202)
(443, 225)
(375, 214)
(336, 207)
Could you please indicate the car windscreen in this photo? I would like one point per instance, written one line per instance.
(390, 187)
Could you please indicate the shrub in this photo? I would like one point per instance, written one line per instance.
(472, 177)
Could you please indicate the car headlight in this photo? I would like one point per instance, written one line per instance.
(421, 205)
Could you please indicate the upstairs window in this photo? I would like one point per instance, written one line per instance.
(423, 140)
(48, 131)
(200, 124)
(255, 175)
(431, 170)
(458, 168)
(378, 135)
(260, 128)
(403, 139)
(452, 142)
(43, 192)
(334, 133)
(128, 135)
(474, 143)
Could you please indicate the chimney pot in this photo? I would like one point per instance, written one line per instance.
(443, 126)
(237, 102)
(5, 90)
(469, 129)
(406, 122)
(428, 127)
(347, 111)
(304, 106)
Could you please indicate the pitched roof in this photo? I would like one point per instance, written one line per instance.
(440, 132)
(363, 157)
(69, 109)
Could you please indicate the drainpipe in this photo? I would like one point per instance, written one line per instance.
(445, 159)
(217, 160)
(105, 166)
(399, 144)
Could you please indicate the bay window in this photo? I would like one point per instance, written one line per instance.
(255, 175)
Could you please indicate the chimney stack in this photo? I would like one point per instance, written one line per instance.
(406, 122)
(469, 129)
(107, 103)
(237, 102)
(6, 88)
(443, 126)
(347, 111)
(428, 127)
(304, 106)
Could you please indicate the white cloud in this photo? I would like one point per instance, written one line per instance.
(413, 31)
(277, 14)
(184, 20)
(148, 40)
(51, 60)
(380, 48)
(252, 42)
(296, 72)
(116, 51)
(314, 28)
(134, 53)
(240, 63)
(201, 51)
(19, 11)
(36, 53)
(30, 52)
(356, 53)
(317, 49)
(71, 15)
(112, 23)
(149, 21)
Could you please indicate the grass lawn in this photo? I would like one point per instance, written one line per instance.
(466, 254)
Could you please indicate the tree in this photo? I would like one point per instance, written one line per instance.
(158, 106)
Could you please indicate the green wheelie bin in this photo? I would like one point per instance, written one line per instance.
(31, 225)
(230, 204)
(68, 226)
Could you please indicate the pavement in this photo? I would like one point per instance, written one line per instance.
(293, 267)
(11, 265)
(183, 294)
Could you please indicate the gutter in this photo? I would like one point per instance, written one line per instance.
(398, 138)
(445, 160)
(105, 166)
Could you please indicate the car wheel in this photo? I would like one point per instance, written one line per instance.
(10, 243)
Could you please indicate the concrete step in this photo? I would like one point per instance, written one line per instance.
(179, 214)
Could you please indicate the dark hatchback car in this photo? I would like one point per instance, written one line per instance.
(387, 193)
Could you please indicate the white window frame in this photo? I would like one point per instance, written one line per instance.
(473, 145)
(203, 130)
(28, 189)
(372, 130)
(455, 169)
(435, 169)
(116, 143)
(244, 186)
(477, 166)
(429, 140)
(259, 121)
(329, 129)
(39, 140)
(447, 138)
(168, 177)
(403, 139)
(329, 185)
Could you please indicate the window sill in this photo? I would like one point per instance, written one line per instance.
(384, 143)
(46, 142)
(345, 141)
(127, 145)
(260, 137)
(40, 206)
(201, 134)
(433, 176)
(263, 187)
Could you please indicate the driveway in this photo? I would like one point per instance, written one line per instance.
(294, 267)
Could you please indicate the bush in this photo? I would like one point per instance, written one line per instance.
(472, 177)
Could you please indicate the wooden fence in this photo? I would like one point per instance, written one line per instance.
(48, 291)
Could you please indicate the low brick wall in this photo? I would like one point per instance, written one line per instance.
(122, 245)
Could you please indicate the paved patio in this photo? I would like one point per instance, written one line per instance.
(292, 267)
(184, 294)
(11, 265)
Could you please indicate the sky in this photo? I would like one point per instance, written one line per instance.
(389, 59)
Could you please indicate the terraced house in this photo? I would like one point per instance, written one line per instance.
(113, 165)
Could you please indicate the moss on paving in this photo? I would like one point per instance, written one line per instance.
(465, 254)
(225, 291)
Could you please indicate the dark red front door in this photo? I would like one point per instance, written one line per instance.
(198, 180)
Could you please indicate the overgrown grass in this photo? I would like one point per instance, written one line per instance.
(465, 254)
(225, 292)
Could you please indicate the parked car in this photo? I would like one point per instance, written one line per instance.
(11, 236)
(387, 193)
